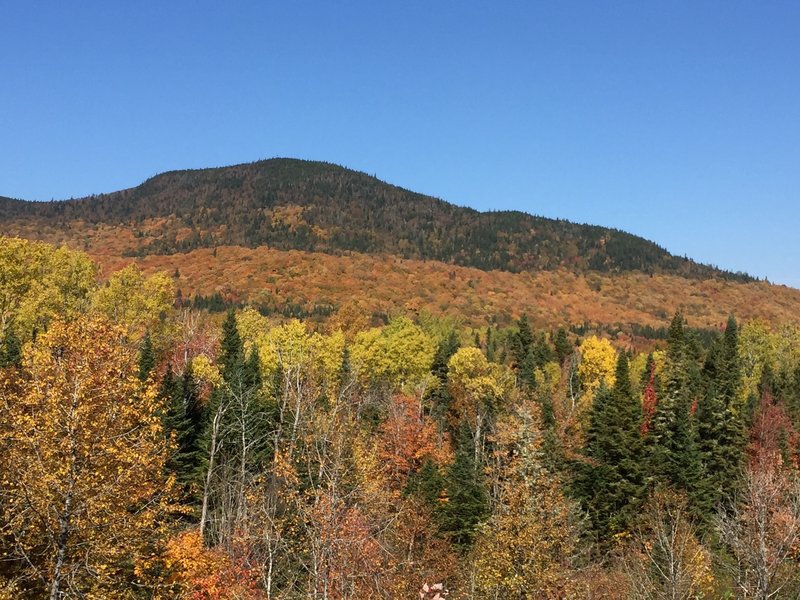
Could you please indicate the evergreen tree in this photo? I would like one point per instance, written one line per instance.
(236, 440)
(792, 395)
(527, 370)
(491, 345)
(467, 502)
(231, 351)
(612, 481)
(674, 455)
(563, 348)
(721, 432)
(438, 397)
(530, 352)
(427, 483)
(183, 419)
(147, 358)
(11, 350)
(345, 374)
(522, 341)
(542, 352)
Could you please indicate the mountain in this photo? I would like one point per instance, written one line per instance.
(315, 240)
(289, 204)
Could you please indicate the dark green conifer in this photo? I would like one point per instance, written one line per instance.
(721, 432)
(674, 455)
(427, 484)
(11, 350)
(467, 502)
(147, 357)
(239, 413)
(491, 345)
(345, 371)
(438, 397)
(527, 370)
(522, 341)
(183, 420)
(542, 352)
(612, 481)
(563, 348)
(231, 351)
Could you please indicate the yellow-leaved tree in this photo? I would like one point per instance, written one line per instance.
(598, 364)
(529, 547)
(398, 355)
(82, 456)
(141, 304)
(477, 387)
(38, 283)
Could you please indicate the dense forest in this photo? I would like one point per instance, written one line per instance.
(313, 206)
(150, 448)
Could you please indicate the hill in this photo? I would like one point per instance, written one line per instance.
(308, 239)
(290, 204)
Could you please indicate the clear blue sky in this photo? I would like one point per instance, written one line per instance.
(678, 121)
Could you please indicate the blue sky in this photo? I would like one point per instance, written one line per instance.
(678, 121)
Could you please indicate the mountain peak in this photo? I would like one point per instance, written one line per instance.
(289, 203)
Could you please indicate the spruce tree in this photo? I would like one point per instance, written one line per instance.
(541, 350)
(612, 481)
(792, 395)
(11, 350)
(183, 419)
(236, 427)
(427, 484)
(674, 455)
(527, 370)
(344, 376)
(522, 341)
(721, 431)
(438, 397)
(563, 348)
(147, 357)
(491, 345)
(231, 351)
(467, 502)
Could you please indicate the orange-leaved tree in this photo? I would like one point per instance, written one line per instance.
(82, 456)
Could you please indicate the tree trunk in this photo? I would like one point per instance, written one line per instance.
(63, 537)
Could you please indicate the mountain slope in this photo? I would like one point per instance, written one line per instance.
(290, 204)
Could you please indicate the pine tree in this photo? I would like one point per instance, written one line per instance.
(147, 357)
(345, 374)
(467, 503)
(792, 395)
(527, 370)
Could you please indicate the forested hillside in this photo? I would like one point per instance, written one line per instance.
(149, 449)
(313, 206)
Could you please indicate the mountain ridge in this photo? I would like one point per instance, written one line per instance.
(293, 204)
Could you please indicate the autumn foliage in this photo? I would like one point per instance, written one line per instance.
(152, 450)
